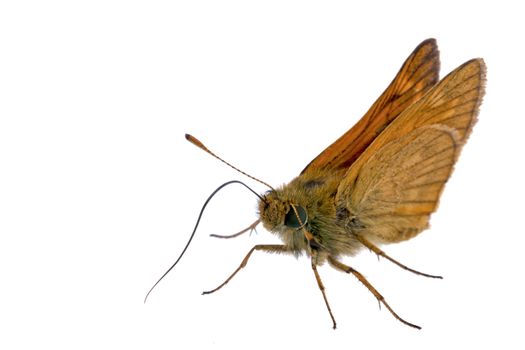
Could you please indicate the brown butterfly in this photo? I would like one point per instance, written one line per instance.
(381, 180)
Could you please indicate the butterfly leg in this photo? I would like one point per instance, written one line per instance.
(321, 286)
(269, 248)
(249, 228)
(342, 267)
(379, 252)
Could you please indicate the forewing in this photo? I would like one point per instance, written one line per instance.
(453, 102)
(399, 186)
(417, 75)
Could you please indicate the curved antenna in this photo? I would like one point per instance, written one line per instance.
(197, 225)
(199, 144)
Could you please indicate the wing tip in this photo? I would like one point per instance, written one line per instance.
(429, 48)
(427, 42)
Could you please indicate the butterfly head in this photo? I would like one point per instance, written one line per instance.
(279, 214)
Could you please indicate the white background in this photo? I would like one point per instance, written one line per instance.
(99, 191)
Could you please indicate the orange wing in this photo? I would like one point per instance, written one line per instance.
(417, 75)
(454, 103)
(395, 184)
(400, 185)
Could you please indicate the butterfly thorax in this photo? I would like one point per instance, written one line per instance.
(307, 203)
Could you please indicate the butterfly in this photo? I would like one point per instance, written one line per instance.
(382, 179)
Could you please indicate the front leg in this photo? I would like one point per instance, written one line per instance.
(269, 248)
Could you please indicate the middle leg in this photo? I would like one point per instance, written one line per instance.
(321, 286)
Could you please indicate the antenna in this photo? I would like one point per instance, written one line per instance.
(199, 144)
(197, 225)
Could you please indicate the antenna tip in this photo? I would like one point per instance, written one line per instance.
(195, 142)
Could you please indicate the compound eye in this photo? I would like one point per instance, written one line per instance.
(291, 219)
